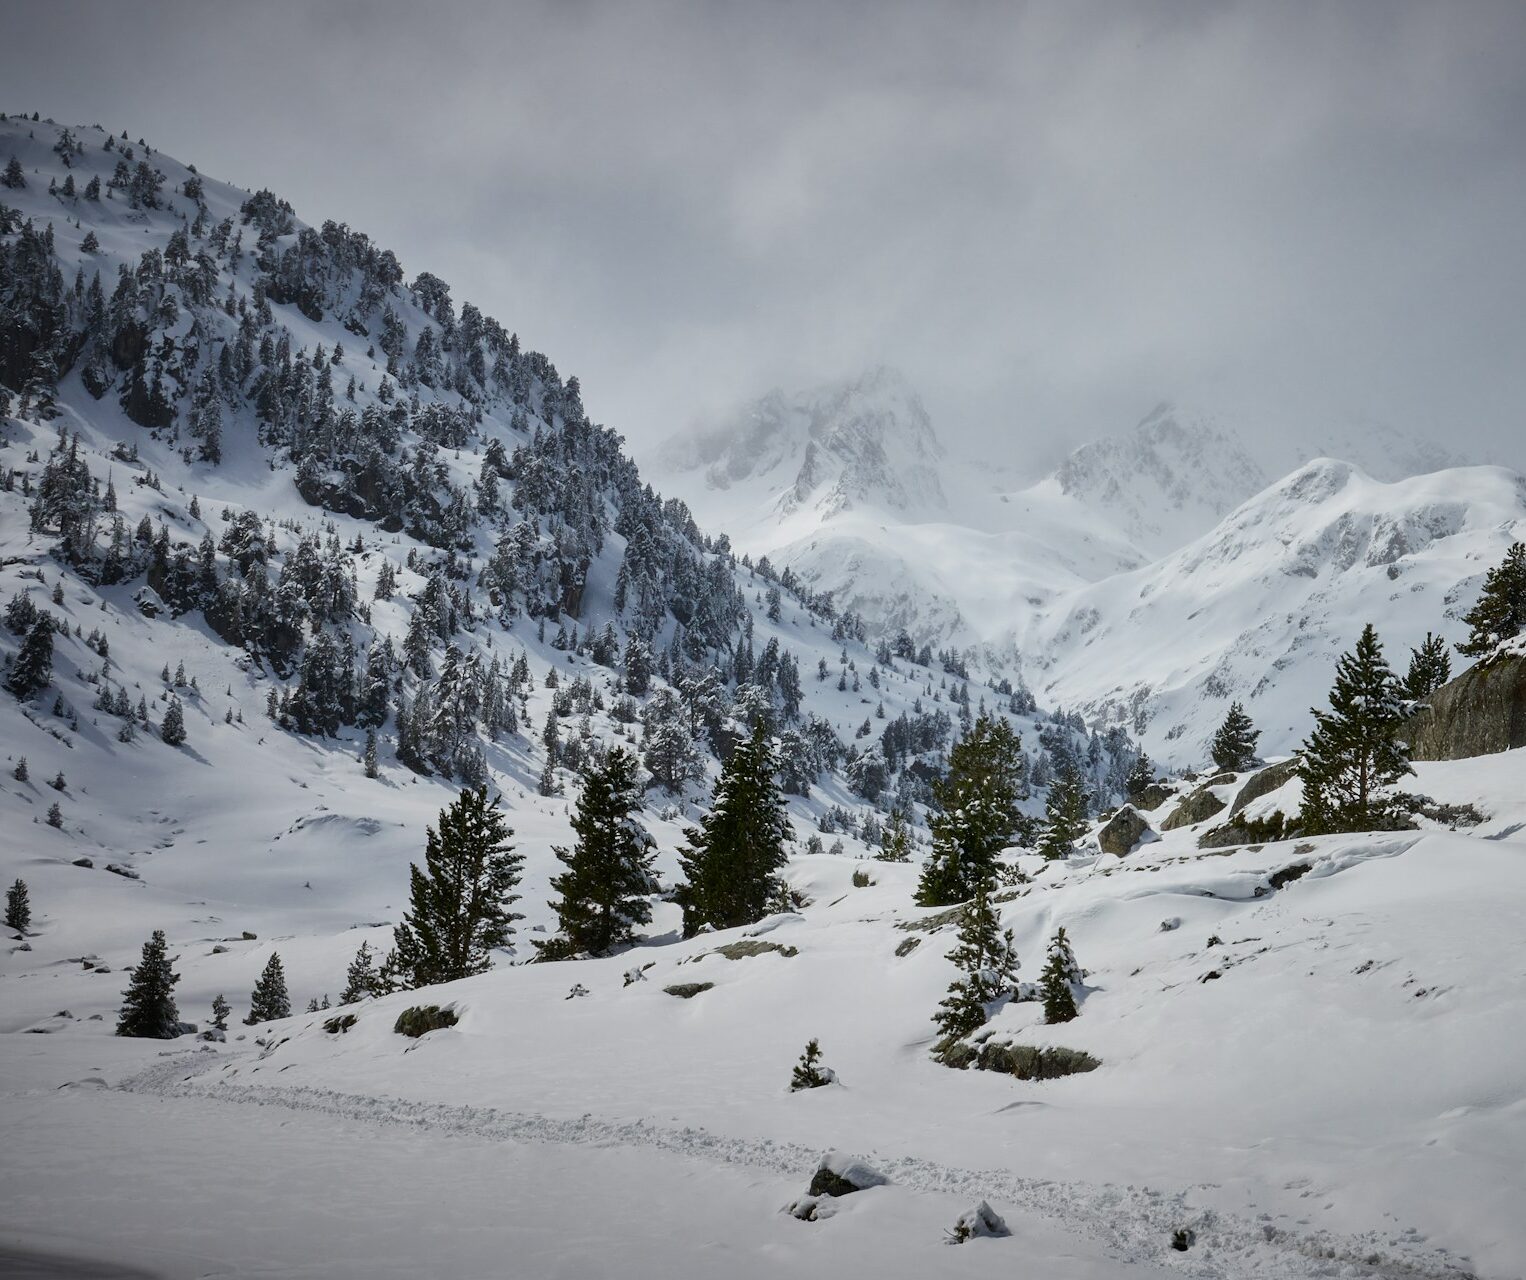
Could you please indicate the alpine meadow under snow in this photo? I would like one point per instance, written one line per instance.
(432, 850)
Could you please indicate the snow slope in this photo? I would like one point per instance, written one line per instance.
(1259, 608)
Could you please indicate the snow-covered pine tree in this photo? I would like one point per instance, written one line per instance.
(32, 671)
(1140, 777)
(361, 979)
(18, 907)
(368, 756)
(148, 1004)
(987, 962)
(1059, 979)
(1064, 815)
(220, 1011)
(733, 857)
(1500, 613)
(1234, 745)
(895, 843)
(978, 814)
(1430, 667)
(603, 892)
(459, 907)
(269, 1000)
(1355, 753)
(808, 1073)
(172, 729)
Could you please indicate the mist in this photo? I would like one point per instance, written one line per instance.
(1049, 216)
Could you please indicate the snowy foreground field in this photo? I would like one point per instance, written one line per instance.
(1333, 1086)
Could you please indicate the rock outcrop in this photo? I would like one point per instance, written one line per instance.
(1196, 806)
(1479, 713)
(1264, 783)
(1125, 830)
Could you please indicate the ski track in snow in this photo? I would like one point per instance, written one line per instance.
(1134, 1224)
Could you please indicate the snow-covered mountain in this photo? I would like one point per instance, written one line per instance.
(1259, 607)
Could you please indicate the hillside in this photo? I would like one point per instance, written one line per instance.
(368, 549)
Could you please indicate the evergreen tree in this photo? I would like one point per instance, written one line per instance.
(1064, 815)
(368, 757)
(734, 855)
(172, 730)
(1500, 613)
(1430, 667)
(32, 671)
(1234, 745)
(977, 815)
(459, 910)
(988, 964)
(1058, 981)
(895, 844)
(1355, 753)
(220, 1011)
(808, 1073)
(361, 978)
(609, 868)
(269, 999)
(1140, 777)
(18, 907)
(20, 772)
(148, 1004)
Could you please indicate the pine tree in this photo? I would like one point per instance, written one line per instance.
(1500, 613)
(32, 671)
(1430, 667)
(459, 910)
(368, 757)
(361, 979)
(148, 1004)
(734, 855)
(269, 999)
(18, 907)
(1140, 777)
(55, 815)
(220, 1011)
(895, 844)
(1064, 815)
(1355, 754)
(609, 868)
(808, 1073)
(1234, 745)
(985, 957)
(1058, 981)
(977, 816)
(172, 729)
(20, 772)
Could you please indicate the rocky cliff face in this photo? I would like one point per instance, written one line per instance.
(1480, 712)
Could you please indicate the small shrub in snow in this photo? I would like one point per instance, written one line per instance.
(422, 1019)
(974, 1223)
(808, 1073)
(861, 880)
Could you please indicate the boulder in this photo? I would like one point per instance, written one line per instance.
(688, 990)
(1123, 832)
(839, 1175)
(1264, 782)
(1152, 796)
(981, 1221)
(1196, 806)
(1481, 712)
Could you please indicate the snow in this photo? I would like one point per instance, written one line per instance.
(1333, 1089)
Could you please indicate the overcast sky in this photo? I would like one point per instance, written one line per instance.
(1048, 216)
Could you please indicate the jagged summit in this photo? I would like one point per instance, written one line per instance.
(865, 444)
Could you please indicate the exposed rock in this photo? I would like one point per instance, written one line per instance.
(1021, 1060)
(907, 946)
(1225, 836)
(1264, 783)
(117, 869)
(749, 947)
(688, 990)
(422, 1019)
(1479, 713)
(1123, 832)
(1153, 796)
(980, 1221)
(1220, 780)
(84, 862)
(934, 922)
(1288, 874)
(1196, 806)
(341, 1023)
(839, 1175)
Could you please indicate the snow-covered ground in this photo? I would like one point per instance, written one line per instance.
(1332, 1088)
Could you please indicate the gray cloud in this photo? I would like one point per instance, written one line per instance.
(1050, 216)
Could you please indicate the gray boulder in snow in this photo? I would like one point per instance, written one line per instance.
(1125, 830)
(840, 1175)
(1153, 796)
(1197, 806)
(1264, 782)
(1481, 712)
